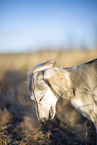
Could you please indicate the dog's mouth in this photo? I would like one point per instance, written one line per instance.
(52, 112)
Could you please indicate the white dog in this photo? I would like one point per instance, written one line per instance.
(77, 84)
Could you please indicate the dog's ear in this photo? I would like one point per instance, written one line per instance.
(43, 66)
(58, 80)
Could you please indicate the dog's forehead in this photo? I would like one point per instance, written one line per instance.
(38, 84)
(33, 79)
(37, 76)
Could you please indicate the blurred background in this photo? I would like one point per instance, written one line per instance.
(32, 32)
(32, 25)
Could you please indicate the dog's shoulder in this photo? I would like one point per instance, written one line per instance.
(88, 65)
(84, 74)
(92, 64)
(89, 68)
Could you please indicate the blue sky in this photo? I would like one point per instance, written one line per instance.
(35, 24)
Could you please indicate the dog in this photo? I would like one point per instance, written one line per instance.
(77, 84)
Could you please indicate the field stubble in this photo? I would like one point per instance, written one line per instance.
(18, 122)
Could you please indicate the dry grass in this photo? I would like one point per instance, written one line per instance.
(18, 122)
(64, 58)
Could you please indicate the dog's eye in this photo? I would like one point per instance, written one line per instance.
(41, 98)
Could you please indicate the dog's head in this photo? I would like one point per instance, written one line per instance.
(44, 98)
(47, 83)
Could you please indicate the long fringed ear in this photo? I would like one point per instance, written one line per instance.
(58, 80)
(43, 66)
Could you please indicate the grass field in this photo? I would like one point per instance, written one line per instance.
(18, 122)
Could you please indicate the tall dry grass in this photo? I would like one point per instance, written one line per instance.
(63, 58)
(18, 122)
